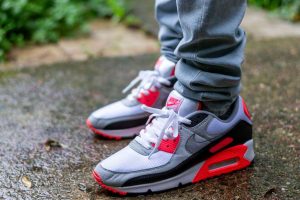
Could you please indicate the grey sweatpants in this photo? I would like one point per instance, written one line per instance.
(204, 38)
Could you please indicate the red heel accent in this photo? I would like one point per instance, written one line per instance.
(246, 111)
(232, 159)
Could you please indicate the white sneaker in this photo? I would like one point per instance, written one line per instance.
(125, 118)
(181, 144)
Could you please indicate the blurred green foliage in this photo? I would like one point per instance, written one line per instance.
(43, 21)
(288, 9)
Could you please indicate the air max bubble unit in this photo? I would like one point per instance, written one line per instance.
(125, 118)
(181, 144)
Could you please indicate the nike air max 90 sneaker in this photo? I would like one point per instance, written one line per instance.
(125, 118)
(181, 144)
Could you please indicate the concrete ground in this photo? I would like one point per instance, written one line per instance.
(47, 152)
(45, 106)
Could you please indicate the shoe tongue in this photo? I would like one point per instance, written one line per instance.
(165, 67)
(181, 105)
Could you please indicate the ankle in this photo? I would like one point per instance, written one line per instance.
(221, 110)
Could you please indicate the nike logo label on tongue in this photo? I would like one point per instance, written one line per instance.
(174, 103)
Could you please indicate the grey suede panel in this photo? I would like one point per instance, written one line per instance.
(139, 148)
(196, 142)
(200, 128)
(100, 123)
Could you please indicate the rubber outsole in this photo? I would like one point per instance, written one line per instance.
(102, 134)
(123, 193)
(243, 153)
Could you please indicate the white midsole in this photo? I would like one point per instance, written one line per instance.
(130, 132)
(183, 178)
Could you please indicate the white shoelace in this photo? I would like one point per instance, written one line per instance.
(164, 125)
(148, 81)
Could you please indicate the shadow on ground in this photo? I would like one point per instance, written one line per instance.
(52, 102)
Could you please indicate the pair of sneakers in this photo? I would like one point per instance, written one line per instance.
(176, 143)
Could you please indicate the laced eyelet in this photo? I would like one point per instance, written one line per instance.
(147, 79)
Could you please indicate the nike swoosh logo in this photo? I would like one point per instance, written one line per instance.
(173, 103)
(195, 143)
